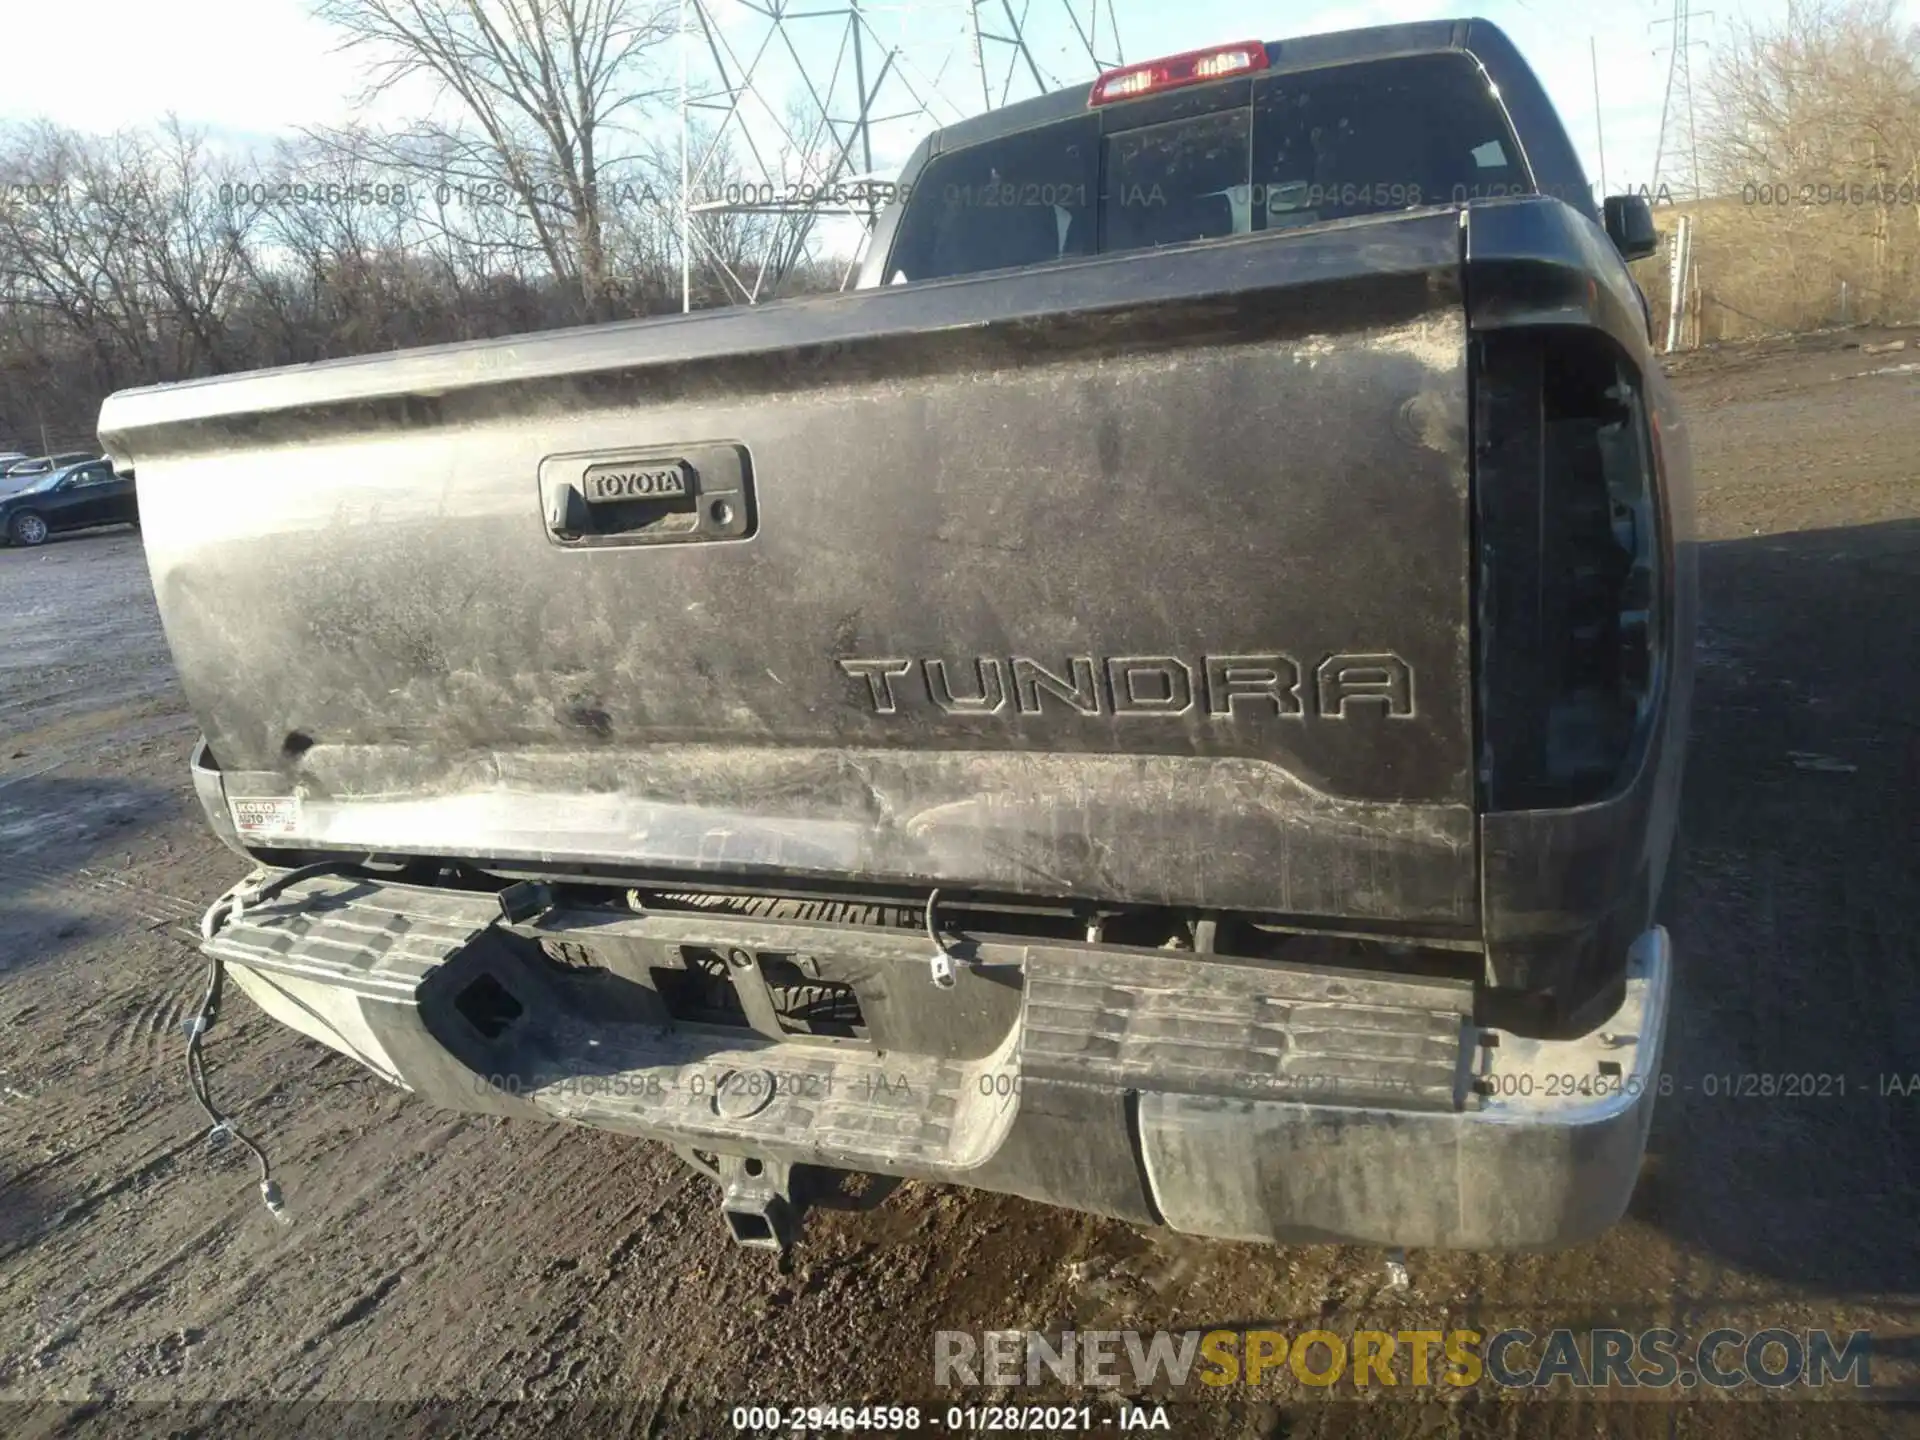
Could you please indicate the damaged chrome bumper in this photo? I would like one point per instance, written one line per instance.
(1219, 1098)
(1545, 1153)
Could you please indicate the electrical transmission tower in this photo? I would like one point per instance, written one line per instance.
(1678, 137)
(795, 113)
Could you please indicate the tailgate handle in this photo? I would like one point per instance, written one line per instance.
(625, 500)
(647, 497)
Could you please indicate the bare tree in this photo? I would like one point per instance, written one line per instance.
(128, 259)
(192, 248)
(69, 242)
(541, 85)
(1813, 131)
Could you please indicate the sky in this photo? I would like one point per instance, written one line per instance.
(246, 71)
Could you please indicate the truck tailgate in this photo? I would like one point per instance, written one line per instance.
(1144, 579)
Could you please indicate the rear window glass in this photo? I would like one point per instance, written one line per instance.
(1167, 184)
(1315, 145)
(1024, 199)
(1387, 135)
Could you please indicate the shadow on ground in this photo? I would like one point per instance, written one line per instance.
(58, 838)
(1794, 903)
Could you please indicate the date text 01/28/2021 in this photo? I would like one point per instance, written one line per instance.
(965, 1419)
(1806, 1085)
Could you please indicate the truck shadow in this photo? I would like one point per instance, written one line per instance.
(58, 886)
(1789, 1144)
(29, 1209)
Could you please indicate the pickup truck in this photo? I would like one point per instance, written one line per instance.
(1168, 698)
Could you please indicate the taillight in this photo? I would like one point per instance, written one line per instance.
(1567, 482)
(1195, 67)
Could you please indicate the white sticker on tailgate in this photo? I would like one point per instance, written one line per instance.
(279, 815)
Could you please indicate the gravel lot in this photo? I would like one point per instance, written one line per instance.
(434, 1257)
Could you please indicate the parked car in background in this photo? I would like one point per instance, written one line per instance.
(22, 473)
(11, 457)
(74, 497)
(14, 467)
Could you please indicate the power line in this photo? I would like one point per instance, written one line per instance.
(1676, 103)
(745, 65)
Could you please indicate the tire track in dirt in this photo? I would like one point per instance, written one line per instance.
(155, 1022)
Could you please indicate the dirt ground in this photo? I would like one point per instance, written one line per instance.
(436, 1258)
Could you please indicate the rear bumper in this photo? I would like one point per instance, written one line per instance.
(1549, 1159)
(1220, 1099)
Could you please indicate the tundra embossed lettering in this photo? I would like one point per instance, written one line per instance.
(1226, 687)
